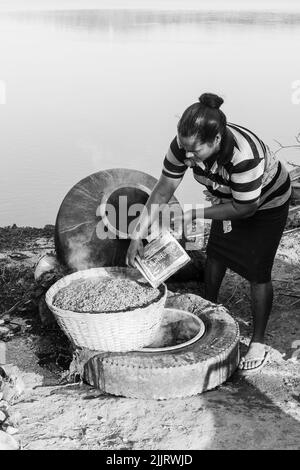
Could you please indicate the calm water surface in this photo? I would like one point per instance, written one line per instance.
(88, 90)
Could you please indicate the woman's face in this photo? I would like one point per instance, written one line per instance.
(197, 151)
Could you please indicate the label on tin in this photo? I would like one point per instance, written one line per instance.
(227, 226)
(163, 256)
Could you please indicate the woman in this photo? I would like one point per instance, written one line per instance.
(253, 189)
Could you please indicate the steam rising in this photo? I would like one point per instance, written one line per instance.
(79, 253)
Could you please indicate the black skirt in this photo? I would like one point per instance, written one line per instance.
(250, 247)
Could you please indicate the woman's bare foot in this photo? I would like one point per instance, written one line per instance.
(255, 357)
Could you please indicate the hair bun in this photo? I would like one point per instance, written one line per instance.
(211, 100)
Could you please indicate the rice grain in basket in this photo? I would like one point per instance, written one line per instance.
(105, 295)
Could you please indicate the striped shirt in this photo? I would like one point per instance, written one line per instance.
(250, 172)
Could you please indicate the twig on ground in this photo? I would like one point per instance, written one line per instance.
(41, 248)
(291, 230)
(290, 295)
(280, 145)
(297, 137)
(233, 293)
(294, 303)
(293, 164)
(14, 308)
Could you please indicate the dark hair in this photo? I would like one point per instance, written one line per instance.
(203, 119)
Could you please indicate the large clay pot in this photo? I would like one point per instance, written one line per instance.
(82, 220)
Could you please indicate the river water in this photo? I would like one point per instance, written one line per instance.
(87, 90)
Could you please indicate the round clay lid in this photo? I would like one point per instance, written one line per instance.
(90, 227)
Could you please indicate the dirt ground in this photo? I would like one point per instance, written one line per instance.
(258, 412)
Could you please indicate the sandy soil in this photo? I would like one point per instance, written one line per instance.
(258, 412)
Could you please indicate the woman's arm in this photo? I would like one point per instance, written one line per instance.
(229, 211)
(172, 174)
(161, 194)
(245, 184)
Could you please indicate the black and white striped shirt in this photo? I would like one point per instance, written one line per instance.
(250, 172)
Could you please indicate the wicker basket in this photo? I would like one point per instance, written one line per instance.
(116, 331)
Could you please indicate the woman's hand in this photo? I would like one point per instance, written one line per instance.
(135, 247)
(210, 198)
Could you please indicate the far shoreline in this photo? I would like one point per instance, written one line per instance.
(154, 5)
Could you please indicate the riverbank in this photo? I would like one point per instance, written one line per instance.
(258, 412)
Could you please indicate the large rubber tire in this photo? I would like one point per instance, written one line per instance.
(188, 371)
